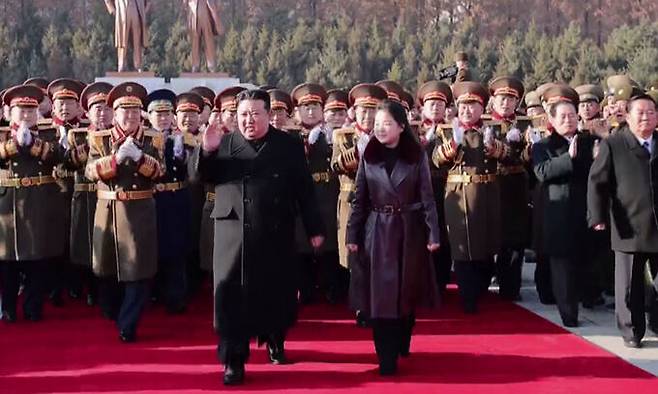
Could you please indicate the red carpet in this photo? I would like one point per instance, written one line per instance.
(505, 349)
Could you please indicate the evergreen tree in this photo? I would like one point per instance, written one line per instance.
(230, 58)
(510, 56)
(248, 46)
(590, 65)
(642, 66)
(544, 65)
(566, 52)
(177, 50)
(56, 50)
(395, 72)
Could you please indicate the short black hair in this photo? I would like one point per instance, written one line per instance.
(255, 94)
(646, 97)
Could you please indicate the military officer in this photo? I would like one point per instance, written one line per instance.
(29, 234)
(280, 109)
(125, 161)
(172, 201)
(208, 96)
(472, 200)
(434, 97)
(506, 92)
(83, 204)
(65, 96)
(533, 104)
(46, 105)
(335, 108)
(348, 146)
(619, 92)
(310, 99)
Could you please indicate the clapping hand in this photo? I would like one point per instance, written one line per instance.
(488, 137)
(211, 138)
(513, 135)
(179, 147)
(533, 135)
(457, 132)
(23, 135)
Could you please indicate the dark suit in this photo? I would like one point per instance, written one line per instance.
(261, 188)
(623, 192)
(564, 186)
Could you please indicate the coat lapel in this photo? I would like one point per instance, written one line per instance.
(381, 173)
(654, 148)
(634, 146)
(400, 172)
(240, 147)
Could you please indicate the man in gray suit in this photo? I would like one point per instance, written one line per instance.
(623, 193)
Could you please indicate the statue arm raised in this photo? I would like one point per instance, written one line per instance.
(110, 6)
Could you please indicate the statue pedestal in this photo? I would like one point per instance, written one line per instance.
(181, 84)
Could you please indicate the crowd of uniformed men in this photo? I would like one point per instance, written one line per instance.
(98, 195)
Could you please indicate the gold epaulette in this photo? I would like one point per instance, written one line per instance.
(190, 139)
(157, 138)
(486, 117)
(96, 139)
(70, 136)
(45, 122)
(341, 135)
(293, 127)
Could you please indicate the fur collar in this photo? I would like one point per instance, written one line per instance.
(410, 150)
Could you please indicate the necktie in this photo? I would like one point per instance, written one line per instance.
(646, 146)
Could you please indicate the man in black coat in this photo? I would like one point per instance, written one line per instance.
(623, 193)
(261, 180)
(561, 163)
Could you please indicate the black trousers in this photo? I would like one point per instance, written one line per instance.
(321, 271)
(630, 302)
(443, 265)
(124, 301)
(473, 279)
(392, 337)
(81, 278)
(565, 281)
(509, 264)
(36, 273)
(232, 327)
(543, 279)
(172, 281)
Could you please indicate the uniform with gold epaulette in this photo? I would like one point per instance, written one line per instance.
(436, 134)
(172, 200)
(125, 225)
(318, 139)
(29, 226)
(472, 197)
(83, 204)
(514, 187)
(64, 90)
(348, 143)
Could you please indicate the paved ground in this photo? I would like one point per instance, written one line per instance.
(597, 326)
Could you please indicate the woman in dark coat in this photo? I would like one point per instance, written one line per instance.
(394, 227)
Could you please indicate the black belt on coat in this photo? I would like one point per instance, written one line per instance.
(395, 209)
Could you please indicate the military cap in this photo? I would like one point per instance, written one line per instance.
(620, 86)
(40, 82)
(638, 93)
(434, 90)
(541, 89)
(23, 96)
(337, 99)
(561, 94)
(280, 100)
(94, 93)
(532, 99)
(266, 87)
(392, 88)
(308, 93)
(367, 95)
(590, 92)
(470, 91)
(189, 102)
(160, 100)
(461, 56)
(227, 98)
(127, 95)
(652, 90)
(207, 94)
(507, 85)
(408, 101)
(65, 88)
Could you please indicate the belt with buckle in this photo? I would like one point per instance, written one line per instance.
(466, 178)
(27, 181)
(125, 195)
(511, 170)
(320, 177)
(170, 187)
(348, 187)
(210, 197)
(393, 209)
(64, 174)
(84, 187)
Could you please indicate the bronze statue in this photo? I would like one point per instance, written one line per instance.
(129, 20)
(203, 19)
